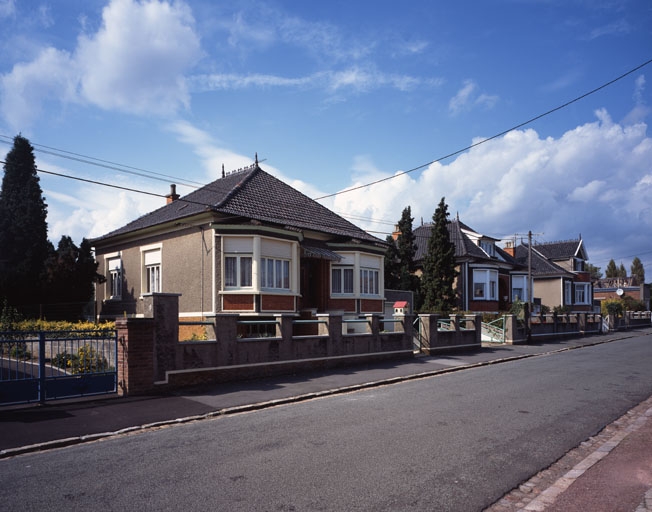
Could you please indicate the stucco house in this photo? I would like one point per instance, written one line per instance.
(488, 277)
(246, 243)
(559, 273)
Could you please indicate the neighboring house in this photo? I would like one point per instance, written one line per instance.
(559, 273)
(488, 277)
(619, 287)
(247, 244)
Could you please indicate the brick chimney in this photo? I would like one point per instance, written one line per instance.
(172, 196)
(509, 248)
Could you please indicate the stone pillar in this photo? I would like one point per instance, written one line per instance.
(226, 335)
(333, 329)
(581, 322)
(284, 330)
(429, 335)
(164, 309)
(373, 328)
(135, 355)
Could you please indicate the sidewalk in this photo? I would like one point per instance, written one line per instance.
(31, 428)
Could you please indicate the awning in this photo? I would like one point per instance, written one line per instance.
(311, 250)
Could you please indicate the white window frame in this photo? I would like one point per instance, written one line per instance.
(582, 293)
(369, 281)
(152, 264)
(488, 247)
(568, 293)
(342, 280)
(520, 280)
(113, 276)
(275, 274)
(483, 283)
(243, 275)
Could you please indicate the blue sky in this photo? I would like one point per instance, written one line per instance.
(337, 94)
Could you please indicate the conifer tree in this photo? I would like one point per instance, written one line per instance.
(406, 249)
(391, 264)
(439, 266)
(24, 244)
(622, 272)
(611, 270)
(637, 270)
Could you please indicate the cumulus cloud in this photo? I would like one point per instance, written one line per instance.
(134, 63)
(593, 180)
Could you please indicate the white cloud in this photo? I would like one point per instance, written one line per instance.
(468, 97)
(134, 63)
(593, 180)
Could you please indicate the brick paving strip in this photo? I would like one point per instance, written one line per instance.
(542, 490)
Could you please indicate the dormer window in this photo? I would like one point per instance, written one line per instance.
(578, 264)
(488, 247)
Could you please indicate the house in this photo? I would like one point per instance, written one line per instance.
(559, 274)
(620, 287)
(246, 244)
(488, 277)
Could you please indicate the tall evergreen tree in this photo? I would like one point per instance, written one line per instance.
(622, 272)
(407, 248)
(71, 273)
(391, 264)
(637, 270)
(611, 270)
(24, 244)
(439, 266)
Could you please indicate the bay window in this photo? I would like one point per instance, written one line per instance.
(582, 293)
(342, 279)
(519, 288)
(485, 284)
(238, 271)
(369, 281)
(275, 273)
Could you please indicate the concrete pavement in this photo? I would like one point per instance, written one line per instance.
(567, 485)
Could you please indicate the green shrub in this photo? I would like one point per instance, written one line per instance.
(87, 360)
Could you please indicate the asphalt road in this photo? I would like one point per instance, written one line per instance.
(453, 442)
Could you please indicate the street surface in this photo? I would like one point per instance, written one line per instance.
(452, 442)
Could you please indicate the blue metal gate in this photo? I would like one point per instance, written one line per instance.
(40, 366)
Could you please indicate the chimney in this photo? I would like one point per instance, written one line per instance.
(509, 248)
(396, 232)
(172, 196)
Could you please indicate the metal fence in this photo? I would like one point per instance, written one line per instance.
(40, 366)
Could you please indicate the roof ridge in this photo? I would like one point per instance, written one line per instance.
(251, 169)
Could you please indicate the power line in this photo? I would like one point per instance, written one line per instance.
(504, 132)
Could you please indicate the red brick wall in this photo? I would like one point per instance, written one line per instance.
(345, 304)
(277, 303)
(238, 302)
(483, 305)
(371, 306)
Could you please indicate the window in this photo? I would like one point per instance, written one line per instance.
(582, 293)
(152, 271)
(485, 285)
(488, 247)
(237, 271)
(519, 288)
(568, 293)
(368, 281)
(342, 279)
(578, 265)
(114, 278)
(275, 273)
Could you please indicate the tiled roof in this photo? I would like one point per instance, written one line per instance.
(541, 266)
(252, 194)
(560, 250)
(465, 248)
